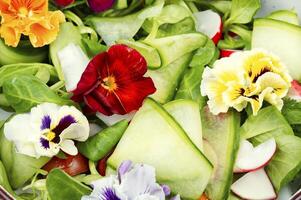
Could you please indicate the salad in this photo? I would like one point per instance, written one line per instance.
(148, 100)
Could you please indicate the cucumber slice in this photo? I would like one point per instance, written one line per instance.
(167, 79)
(221, 141)
(155, 138)
(187, 114)
(150, 54)
(173, 47)
(289, 16)
(282, 39)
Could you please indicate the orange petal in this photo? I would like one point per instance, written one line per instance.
(4, 5)
(10, 34)
(45, 31)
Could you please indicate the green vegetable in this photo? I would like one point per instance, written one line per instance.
(182, 27)
(292, 112)
(190, 86)
(289, 16)
(286, 163)
(20, 168)
(8, 71)
(61, 186)
(68, 34)
(99, 145)
(244, 33)
(203, 55)
(242, 12)
(24, 92)
(155, 138)
(221, 6)
(167, 79)
(282, 39)
(221, 142)
(230, 42)
(93, 47)
(173, 47)
(24, 53)
(269, 120)
(4, 179)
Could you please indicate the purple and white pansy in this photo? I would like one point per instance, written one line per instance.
(47, 129)
(132, 182)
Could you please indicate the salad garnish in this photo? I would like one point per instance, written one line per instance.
(49, 128)
(30, 18)
(243, 78)
(114, 82)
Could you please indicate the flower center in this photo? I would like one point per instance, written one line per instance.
(50, 136)
(23, 12)
(109, 83)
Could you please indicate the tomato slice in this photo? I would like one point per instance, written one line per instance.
(203, 197)
(102, 164)
(72, 165)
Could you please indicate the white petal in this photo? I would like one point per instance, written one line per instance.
(41, 151)
(94, 129)
(113, 119)
(76, 114)
(140, 179)
(26, 149)
(68, 147)
(19, 129)
(75, 132)
(146, 197)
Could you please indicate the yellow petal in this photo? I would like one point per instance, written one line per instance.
(10, 34)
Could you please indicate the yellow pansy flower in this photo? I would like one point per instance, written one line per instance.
(30, 18)
(249, 77)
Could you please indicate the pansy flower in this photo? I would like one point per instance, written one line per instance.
(114, 82)
(133, 182)
(47, 129)
(249, 77)
(30, 18)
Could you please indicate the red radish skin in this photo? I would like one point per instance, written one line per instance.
(217, 37)
(64, 3)
(227, 52)
(102, 164)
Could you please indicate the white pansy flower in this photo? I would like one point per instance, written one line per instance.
(47, 129)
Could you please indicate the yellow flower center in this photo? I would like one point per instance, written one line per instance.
(50, 135)
(109, 83)
(23, 12)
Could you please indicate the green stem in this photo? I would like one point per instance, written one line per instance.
(90, 31)
(3, 101)
(57, 86)
(74, 18)
(92, 168)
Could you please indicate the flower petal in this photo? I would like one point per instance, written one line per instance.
(10, 34)
(68, 147)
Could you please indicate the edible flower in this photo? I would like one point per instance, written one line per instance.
(30, 18)
(248, 77)
(114, 82)
(100, 5)
(133, 182)
(64, 3)
(47, 129)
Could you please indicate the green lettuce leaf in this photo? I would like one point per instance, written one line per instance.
(203, 55)
(269, 121)
(292, 112)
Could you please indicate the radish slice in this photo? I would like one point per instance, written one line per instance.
(73, 62)
(254, 185)
(209, 23)
(227, 52)
(113, 119)
(251, 159)
(295, 91)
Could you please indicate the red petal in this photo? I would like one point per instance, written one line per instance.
(130, 58)
(96, 105)
(91, 74)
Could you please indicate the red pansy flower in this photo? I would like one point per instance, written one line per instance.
(64, 3)
(114, 82)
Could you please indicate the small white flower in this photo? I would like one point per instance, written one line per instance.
(47, 129)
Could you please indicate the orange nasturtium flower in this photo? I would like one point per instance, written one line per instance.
(30, 18)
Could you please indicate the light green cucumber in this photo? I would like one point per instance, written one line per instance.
(155, 138)
(289, 16)
(187, 114)
(282, 39)
(221, 141)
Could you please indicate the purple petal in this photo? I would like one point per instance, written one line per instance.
(166, 190)
(44, 143)
(64, 123)
(109, 194)
(100, 5)
(124, 168)
(46, 122)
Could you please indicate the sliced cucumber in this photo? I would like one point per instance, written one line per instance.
(187, 114)
(167, 79)
(282, 39)
(289, 16)
(221, 141)
(150, 54)
(173, 47)
(155, 138)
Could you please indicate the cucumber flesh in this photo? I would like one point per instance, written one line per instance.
(221, 141)
(282, 39)
(173, 47)
(155, 138)
(288, 16)
(187, 114)
(167, 79)
(150, 54)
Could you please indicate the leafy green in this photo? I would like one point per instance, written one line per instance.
(269, 121)
(61, 186)
(286, 163)
(184, 26)
(244, 33)
(230, 42)
(203, 55)
(242, 11)
(20, 168)
(221, 6)
(24, 92)
(99, 145)
(4, 179)
(8, 71)
(93, 47)
(292, 112)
